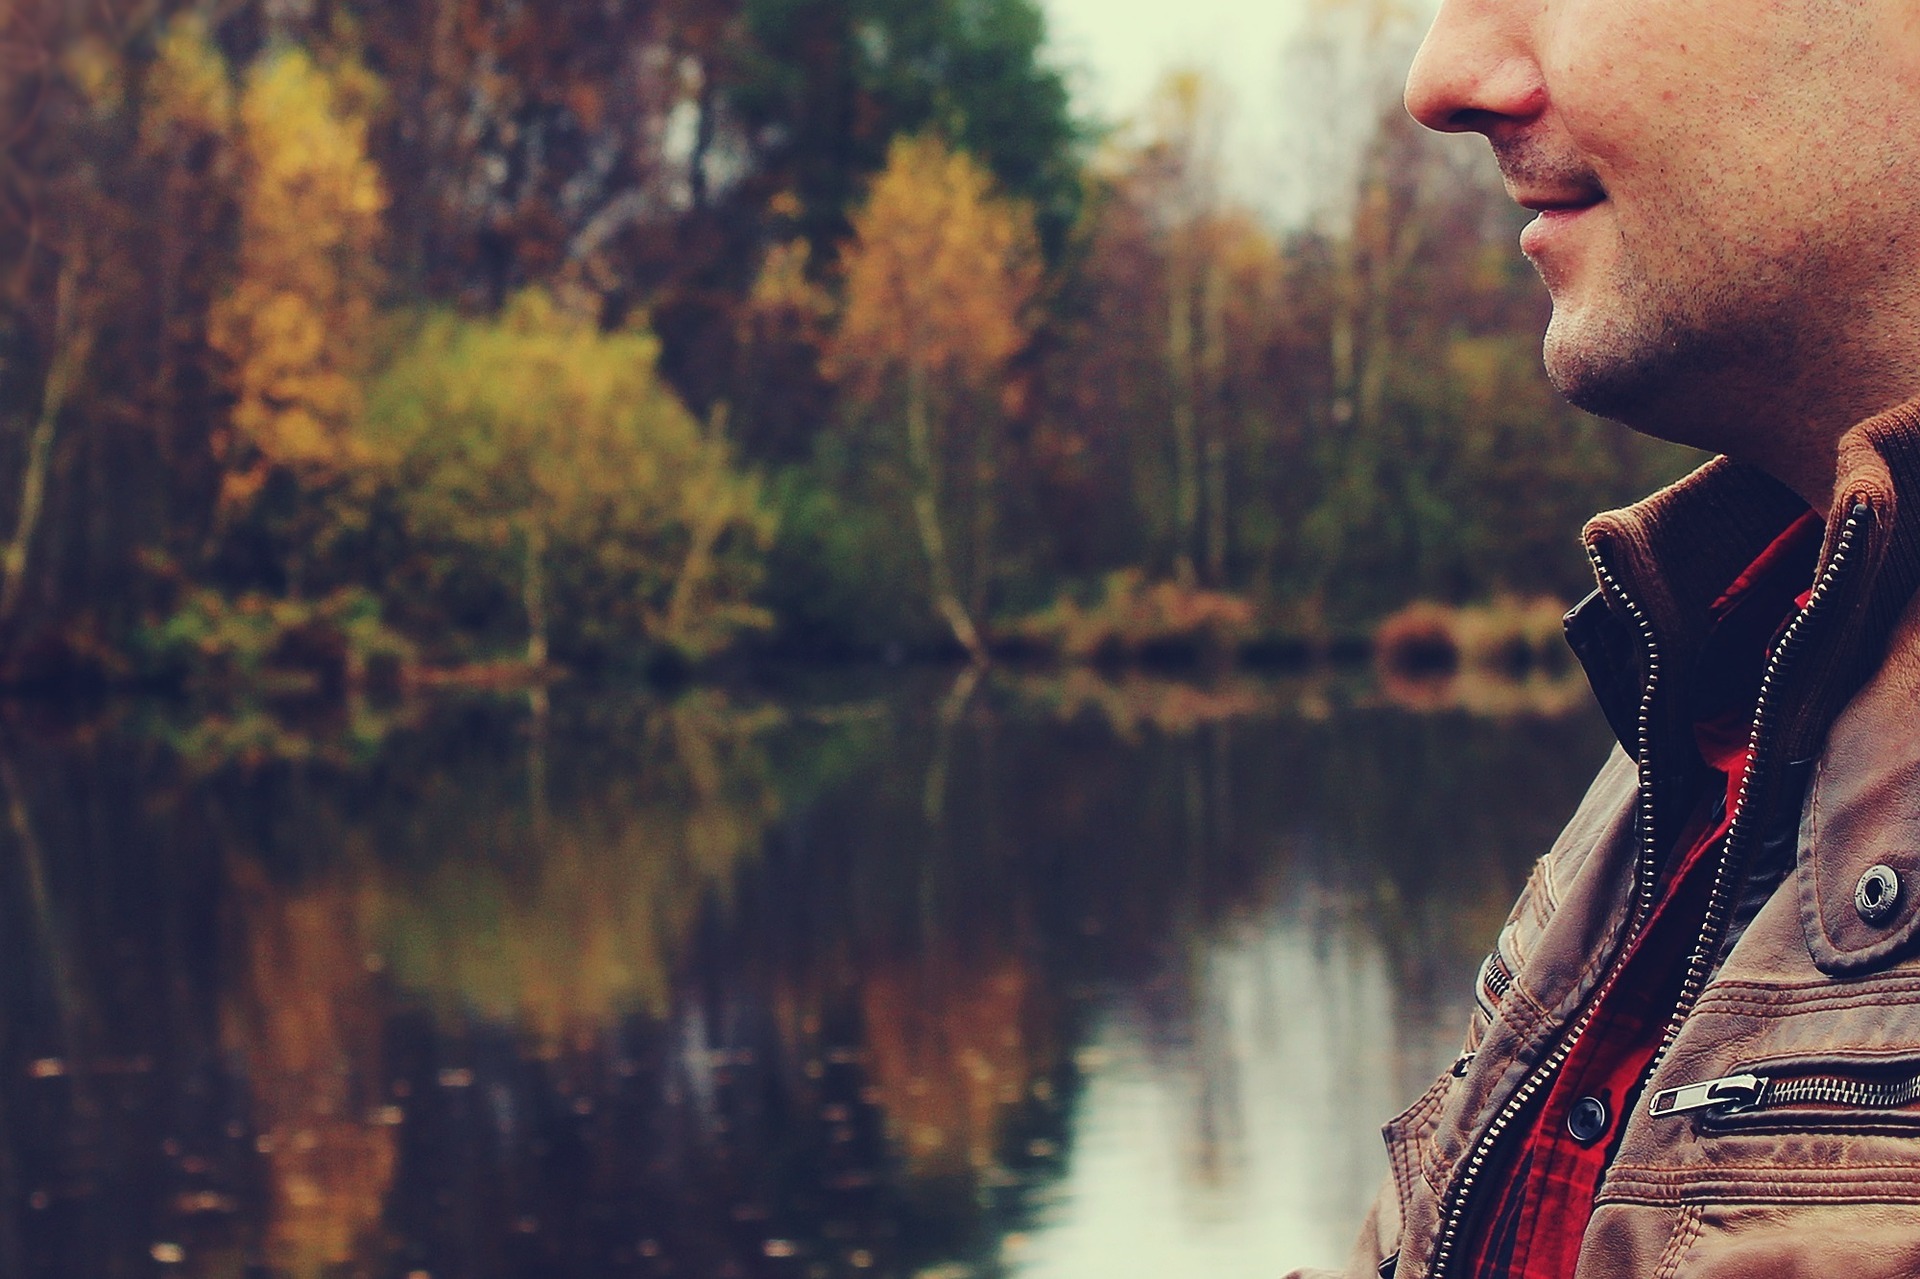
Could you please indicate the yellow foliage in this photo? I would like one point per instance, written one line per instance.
(539, 431)
(95, 68)
(782, 288)
(188, 93)
(295, 325)
(941, 276)
(586, 925)
(941, 273)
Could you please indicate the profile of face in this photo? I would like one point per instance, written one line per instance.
(1728, 192)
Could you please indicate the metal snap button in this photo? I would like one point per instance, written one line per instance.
(1878, 895)
(1587, 1121)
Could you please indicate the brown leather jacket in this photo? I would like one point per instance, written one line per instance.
(1779, 1134)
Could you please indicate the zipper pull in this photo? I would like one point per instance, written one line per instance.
(1734, 1092)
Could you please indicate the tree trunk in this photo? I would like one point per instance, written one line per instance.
(1180, 375)
(71, 348)
(69, 1004)
(926, 515)
(1213, 363)
(533, 594)
(713, 510)
(980, 556)
(705, 108)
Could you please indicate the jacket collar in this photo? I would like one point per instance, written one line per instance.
(1664, 561)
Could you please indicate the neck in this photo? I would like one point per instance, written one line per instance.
(1784, 410)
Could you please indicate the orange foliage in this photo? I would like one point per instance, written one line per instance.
(940, 276)
(1421, 637)
(302, 1015)
(952, 1049)
(295, 326)
(1133, 615)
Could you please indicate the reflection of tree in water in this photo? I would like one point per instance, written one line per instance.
(564, 913)
(695, 989)
(950, 1050)
(304, 1024)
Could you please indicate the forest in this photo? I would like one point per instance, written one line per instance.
(345, 342)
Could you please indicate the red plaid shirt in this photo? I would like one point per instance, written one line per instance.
(1533, 1226)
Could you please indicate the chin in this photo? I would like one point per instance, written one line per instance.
(1588, 364)
(1639, 378)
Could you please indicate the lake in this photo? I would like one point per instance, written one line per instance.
(851, 973)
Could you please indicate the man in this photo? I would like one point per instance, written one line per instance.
(1697, 1051)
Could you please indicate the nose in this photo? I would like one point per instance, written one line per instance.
(1476, 70)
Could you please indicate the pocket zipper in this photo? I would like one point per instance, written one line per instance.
(1499, 978)
(1738, 1094)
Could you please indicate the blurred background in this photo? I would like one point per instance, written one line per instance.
(755, 637)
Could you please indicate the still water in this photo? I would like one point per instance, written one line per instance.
(849, 974)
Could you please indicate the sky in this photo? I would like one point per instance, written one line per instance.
(1116, 51)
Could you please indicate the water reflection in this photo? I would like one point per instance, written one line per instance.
(1040, 976)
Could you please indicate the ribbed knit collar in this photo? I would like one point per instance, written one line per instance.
(1672, 555)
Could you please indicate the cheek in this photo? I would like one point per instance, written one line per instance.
(1898, 32)
(1604, 77)
(1683, 88)
(1728, 130)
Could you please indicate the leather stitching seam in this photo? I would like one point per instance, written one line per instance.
(1686, 1231)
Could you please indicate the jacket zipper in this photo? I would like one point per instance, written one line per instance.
(1733, 853)
(1740, 1094)
(1453, 1214)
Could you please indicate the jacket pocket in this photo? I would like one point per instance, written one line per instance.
(1851, 1094)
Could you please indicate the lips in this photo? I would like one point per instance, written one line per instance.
(1557, 218)
(1573, 201)
(1552, 181)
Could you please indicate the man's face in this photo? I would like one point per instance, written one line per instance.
(1728, 188)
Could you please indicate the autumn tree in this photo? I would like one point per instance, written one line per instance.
(296, 325)
(188, 141)
(26, 58)
(221, 224)
(940, 277)
(539, 460)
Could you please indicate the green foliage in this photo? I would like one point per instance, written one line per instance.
(543, 464)
(840, 79)
(843, 576)
(291, 645)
